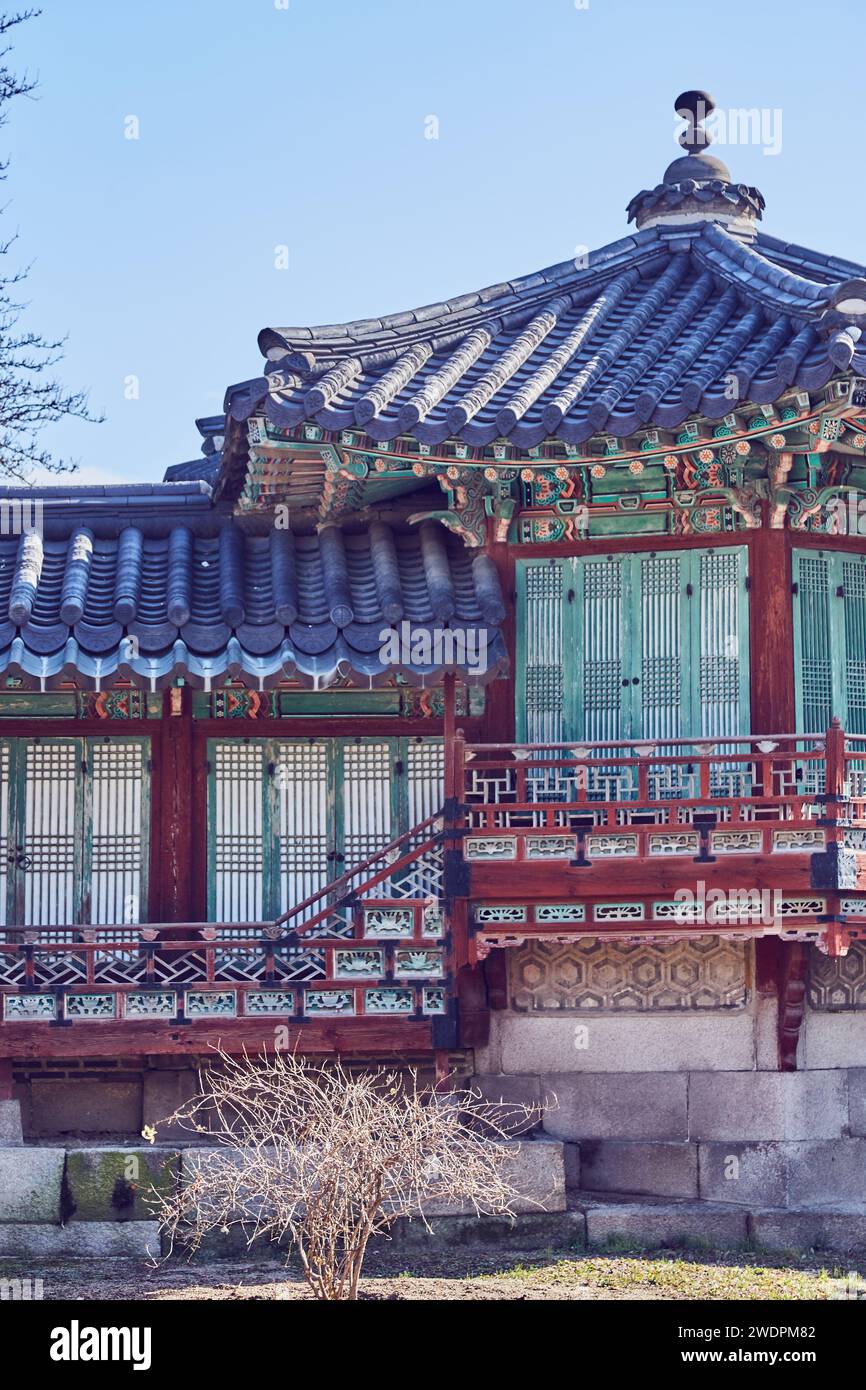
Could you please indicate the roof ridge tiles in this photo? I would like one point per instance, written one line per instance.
(764, 269)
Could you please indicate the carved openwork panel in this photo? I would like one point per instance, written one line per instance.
(705, 973)
(838, 982)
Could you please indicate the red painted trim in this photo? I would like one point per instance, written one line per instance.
(347, 726)
(548, 881)
(66, 726)
(810, 540)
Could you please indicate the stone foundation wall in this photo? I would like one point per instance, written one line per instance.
(657, 1066)
(73, 1099)
(81, 1098)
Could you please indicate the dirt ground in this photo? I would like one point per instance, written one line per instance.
(465, 1275)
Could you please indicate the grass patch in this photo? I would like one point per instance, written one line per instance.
(690, 1273)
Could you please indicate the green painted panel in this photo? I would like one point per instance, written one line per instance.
(830, 639)
(545, 663)
(720, 641)
(290, 703)
(649, 645)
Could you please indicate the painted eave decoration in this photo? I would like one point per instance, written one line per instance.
(207, 604)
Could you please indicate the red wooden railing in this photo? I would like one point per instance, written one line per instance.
(645, 799)
(346, 950)
(771, 792)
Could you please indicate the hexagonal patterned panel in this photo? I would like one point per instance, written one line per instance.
(707, 973)
(838, 982)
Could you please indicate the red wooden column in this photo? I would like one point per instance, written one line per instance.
(177, 813)
(771, 633)
(780, 965)
(484, 986)
(499, 696)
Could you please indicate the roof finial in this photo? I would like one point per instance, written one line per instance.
(694, 108)
(697, 186)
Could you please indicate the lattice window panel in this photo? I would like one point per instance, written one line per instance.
(365, 816)
(544, 653)
(50, 841)
(305, 834)
(425, 792)
(815, 676)
(854, 586)
(238, 832)
(720, 642)
(118, 832)
(425, 771)
(602, 648)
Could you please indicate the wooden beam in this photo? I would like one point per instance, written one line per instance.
(499, 709)
(27, 1041)
(332, 726)
(612, 879)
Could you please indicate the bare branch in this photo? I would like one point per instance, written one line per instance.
(322, 1159)
(27, 403)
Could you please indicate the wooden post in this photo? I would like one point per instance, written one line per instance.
(793, 962)
(834, 751)
(499, 696)
(448, 685)
(5, 1078)
(771, 634)
(174, 830)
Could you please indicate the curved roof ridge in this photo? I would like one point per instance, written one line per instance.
(775, 249)
(393, 333)
(785, 289)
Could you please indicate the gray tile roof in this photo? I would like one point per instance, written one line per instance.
(263, 608)
(666, 323)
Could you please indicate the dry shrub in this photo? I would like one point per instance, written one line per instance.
(320, 1159)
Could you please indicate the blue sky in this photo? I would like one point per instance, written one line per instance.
(301, 124)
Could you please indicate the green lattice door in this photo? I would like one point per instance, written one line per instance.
(74, 831)
(829, 640)
(649, 645)
(287, 816)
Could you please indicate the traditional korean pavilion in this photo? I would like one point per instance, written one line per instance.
(498, 671)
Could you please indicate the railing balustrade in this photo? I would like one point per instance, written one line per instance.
(753, 793)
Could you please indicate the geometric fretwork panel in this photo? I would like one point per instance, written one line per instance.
(838, 982)
(704, 973)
